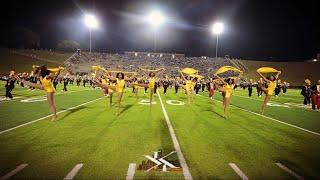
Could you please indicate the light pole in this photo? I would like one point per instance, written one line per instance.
(92, 23)
(217, 28)
(155, 19)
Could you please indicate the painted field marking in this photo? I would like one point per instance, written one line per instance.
(146, 102)
(252, 98)
(131, 171)
(270, 118)
(289, 171)
(34, 99)
(39, 96)
(238, 171)
(73, 172)
(175, 102)
(14, 172)
(183, 163)
(2, 100)
(45, 117)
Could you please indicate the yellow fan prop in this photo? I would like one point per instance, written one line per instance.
(96, 68)
(267, 70)
(197, 76)
(93, 75)
(52, 70)
(55, 70)
(151, 70)
(227, 68)
(34, 67)
(189, 71)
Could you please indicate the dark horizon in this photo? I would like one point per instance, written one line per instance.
(264, 30)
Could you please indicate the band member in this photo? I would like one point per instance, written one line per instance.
(10, 81)
(78, 80)
(66, 80)
(33, 78)
(306, 92)
(250, 85)
(316, 96)
(197, 87)
(271, 82)
(259, 87)
(211, 89)
(203, 85)
(165, 84)
(278, 88)
(176, 85)
(46, 77)
(284, 87)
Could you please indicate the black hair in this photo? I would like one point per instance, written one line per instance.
(269, 78)
(118, 75)
(43, 71)
(152, 74)
(230, 81)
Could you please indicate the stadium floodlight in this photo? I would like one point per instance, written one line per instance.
(92, 23)
(156, 18)
(217, 29)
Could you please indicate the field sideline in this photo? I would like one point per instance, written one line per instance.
(91, 134)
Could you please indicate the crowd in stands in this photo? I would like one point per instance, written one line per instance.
(205, 65)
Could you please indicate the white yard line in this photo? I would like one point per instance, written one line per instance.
(183, 163)
(73, 172)
(45, 117)
(276, 120)
(289, 171)
(270, 118)
(252, 98)
(15, 99)
(14, 172)
(131, 171)
(238, 171)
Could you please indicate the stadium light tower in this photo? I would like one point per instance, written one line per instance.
(92, 23)
(217, 29)
(155, 19)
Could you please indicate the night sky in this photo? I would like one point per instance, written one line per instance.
(254, 29)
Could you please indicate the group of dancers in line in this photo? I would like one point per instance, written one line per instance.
(116, 82)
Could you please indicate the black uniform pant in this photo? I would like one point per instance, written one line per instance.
(176, 88)
(165, 89)
(197, 90)
(250, 91)
(65, 86)
(307, 100)
(8, 92)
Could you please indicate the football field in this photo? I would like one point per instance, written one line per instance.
(89, 141)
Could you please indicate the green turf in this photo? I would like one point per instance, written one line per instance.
(106, 143)
(92, 135)
(255, 144)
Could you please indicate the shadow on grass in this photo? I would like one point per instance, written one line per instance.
(71, 111)
(126, 107)
(296, 168)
